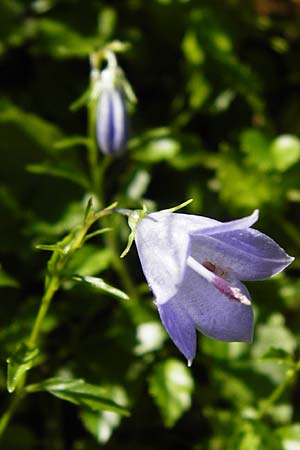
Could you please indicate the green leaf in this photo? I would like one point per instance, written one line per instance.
(101, 424)
(256, 145)
(19, 363)
(71, 142)
(290, 436)
(80, 393)
(150, 337)
(97, 233)
(154, 146)
(277, 354)
(254, 436)
(40, 131)
(61, 41)
(89, 260)
(271, 335)
(89, 212)
(82, 100)
(171, 385)
(192, 49)
(102, 286)
(285, 152)
(7, 280)
(60, 170)
(50, 248)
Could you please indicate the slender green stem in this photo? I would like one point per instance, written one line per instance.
(120, 267)
(7, 416)
(93, 152)
(278, 391)
(19, 393)
(52, 287)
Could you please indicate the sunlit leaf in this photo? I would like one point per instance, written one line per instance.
(171, 386)
(102, 423)
(290, 436)
(285, 152)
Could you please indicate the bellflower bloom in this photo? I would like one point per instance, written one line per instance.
(111, 116)
(194, 265)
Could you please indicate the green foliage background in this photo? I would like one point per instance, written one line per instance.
(218, 120)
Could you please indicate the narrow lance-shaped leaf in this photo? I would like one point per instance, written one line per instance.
(100, 284)
(80, 393)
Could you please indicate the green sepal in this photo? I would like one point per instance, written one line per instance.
(133, 220)
(176, 208)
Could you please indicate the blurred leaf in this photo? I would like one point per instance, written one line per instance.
(223, 350)
(180, 150)
(107, 22)
(19, 363)
(59, 40)
(61, 170)
(7, 280)
(192, 50)
(278, 354)
(239, 187)
(39, 130)
(270, 336)
(90, 260)
(80, 393)
(171, 386)
(285, 152)
(70, 218)
(290, 436)
(234, 388)
(273, 336)
(71, 142)
(199, 90)
(101, 285)
(101, 424)
(89, 212)
(150, 337)
(97, 233)
(18, 437)
(209, 43)
(154, 146)
(138, 185)
(255, 436)
(256, 145)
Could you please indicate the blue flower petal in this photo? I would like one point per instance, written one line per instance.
(213, 313)
(179, 326)
(162, 241)
(249, 254)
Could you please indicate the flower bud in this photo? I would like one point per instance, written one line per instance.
(111, 116)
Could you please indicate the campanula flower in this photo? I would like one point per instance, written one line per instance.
(194, 265)
(111, 115)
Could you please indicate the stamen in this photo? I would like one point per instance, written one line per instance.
(231, 292)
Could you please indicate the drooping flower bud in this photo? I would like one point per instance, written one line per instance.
(111, 115)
